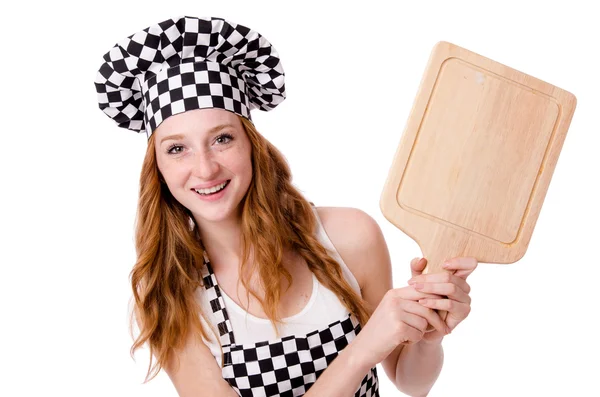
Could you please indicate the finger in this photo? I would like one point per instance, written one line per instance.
(463, 266)
(417, 266)
(412, 335)
(413, 320)
(410, 293)
(450, 290)
(426, 313)
(456, 310)
(444, 277)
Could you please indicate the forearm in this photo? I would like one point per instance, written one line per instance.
(343, 376)
(418, 367)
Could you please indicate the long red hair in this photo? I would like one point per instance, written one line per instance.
(166, 275)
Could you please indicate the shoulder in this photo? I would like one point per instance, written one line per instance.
(359, 240)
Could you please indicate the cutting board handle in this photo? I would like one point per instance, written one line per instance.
(434, 265)
(435, 259)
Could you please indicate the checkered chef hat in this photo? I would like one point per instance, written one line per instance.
(188, 63)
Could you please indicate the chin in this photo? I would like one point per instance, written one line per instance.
(213, 216)
(213, 212)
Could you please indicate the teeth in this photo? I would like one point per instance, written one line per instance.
(212, 189)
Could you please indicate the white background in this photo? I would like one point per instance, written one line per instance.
(70, 179)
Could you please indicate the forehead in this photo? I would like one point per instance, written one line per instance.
(197, 121)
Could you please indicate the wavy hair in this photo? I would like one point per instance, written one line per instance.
(165, 278)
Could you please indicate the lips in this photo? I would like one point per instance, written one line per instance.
(210, 185)
(206, 194)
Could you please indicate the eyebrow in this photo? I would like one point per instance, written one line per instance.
(211, 131)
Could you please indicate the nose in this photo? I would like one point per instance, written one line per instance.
(206, 165)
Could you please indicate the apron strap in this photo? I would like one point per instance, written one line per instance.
(218, 306)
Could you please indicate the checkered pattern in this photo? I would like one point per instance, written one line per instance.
(288, 366)
(217, 305)
(188, 63)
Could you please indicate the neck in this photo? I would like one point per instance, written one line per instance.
(222, 240)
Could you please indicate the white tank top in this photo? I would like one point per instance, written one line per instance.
(323, 308)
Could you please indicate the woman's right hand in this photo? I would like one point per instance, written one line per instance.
(399, 318)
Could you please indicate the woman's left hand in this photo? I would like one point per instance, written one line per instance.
(451, 284)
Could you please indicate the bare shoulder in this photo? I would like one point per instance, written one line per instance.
(358, 239)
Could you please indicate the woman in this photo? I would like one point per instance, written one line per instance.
(242, 286)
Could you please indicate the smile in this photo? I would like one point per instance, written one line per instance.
(212, 190)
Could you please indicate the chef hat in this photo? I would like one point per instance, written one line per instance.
(188, 63)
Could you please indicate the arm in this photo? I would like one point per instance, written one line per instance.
(343, 376)
(357, 237)
(197, 374)
(418, 367)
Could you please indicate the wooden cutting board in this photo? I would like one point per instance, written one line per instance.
(476, 157)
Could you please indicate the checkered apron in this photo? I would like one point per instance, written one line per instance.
(284, 367)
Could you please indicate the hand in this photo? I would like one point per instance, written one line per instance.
(452, 285)
(398, 318)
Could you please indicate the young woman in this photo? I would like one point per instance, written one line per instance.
(241, 285)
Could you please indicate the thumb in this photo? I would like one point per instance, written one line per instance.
(417, 266)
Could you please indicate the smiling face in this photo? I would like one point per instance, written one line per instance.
(200, 151)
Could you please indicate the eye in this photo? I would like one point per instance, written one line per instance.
(174, 146)
(224, 136)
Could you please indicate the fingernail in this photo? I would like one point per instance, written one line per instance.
(446, 265)
(418, 285)
(448, 330)
(411, 281)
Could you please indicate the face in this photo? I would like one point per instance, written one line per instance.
(197, 152)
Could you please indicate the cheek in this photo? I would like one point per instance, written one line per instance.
(241, 160)
(248, 164)
(172, 174)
